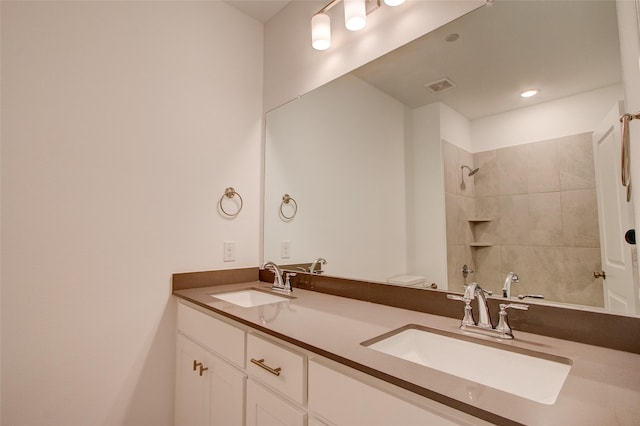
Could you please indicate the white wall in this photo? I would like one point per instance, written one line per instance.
(339, 152)
(123, 124)
(567, 116)
(429, 255)
(293, 68)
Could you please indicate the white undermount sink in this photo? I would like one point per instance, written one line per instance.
(533, 375)
(250, 298)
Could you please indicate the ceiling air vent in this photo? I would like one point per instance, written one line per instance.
(440, 86)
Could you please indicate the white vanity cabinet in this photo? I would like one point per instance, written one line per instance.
(277, 389)
(209, 389)
(339, 398)
(249, 378)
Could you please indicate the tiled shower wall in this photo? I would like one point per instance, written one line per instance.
(541, 200)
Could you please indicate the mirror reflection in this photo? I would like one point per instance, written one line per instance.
(427, 166)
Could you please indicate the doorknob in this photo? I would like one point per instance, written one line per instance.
(602, 275)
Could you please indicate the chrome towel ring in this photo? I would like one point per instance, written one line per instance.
(230, 193)
(288, 200)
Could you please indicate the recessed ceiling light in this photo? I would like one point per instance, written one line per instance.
(452, 37)
(529, 93)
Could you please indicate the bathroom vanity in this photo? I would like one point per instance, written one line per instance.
(301, 360)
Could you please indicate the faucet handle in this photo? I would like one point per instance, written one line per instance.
(456, 297)
(503, 325)
(468, 316)
(505, 306)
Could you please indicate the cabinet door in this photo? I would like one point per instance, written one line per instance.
(192, 390)
(227, 391)
(264, 408)
(213, 396)
(331, 397)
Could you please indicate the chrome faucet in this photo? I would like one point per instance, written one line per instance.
(512, 277)
(278, 283)
(483, 326)
(472, 291)
(321, 261)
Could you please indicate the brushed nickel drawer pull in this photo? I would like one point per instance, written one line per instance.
(260, 363)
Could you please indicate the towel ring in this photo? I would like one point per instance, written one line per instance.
(286, 199)
(230, 193)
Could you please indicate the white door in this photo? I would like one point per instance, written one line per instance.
(615, 218)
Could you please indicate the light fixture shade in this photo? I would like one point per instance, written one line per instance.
(393, 2)
(321, 31)
(355, 14)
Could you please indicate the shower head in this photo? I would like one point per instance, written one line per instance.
(471, 171)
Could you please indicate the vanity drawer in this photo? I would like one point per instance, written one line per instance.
(277, 367)
(216, 335)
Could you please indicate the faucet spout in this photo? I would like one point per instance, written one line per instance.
(321, 261)
(512, 277)
(474, 291)
(278, 282)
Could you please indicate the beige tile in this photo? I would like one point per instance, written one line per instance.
(458, 229)
(488, 261)
(486, 180)
(580, 218)
(467, 183)
(581, 287)
(512, 170)
(518, 259)
(542, 167)
(514, 220)
(575, 159)
(545, 219)
(548, 273)
(457, 256)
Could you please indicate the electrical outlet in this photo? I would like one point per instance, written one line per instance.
(285, 249)
(229, 251)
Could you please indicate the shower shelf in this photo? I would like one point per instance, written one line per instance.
(479, 219)
(479, 245)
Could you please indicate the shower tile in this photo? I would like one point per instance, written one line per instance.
(512, 170)
(543, 174)
(550, 273)
(514, 219)
(487, 261)
(517, 259)
(456, 257)
(486, 180)
(458, 232)
(545, 219)
(580, 218)
(466, 186)
(582, 288)
(575, 158)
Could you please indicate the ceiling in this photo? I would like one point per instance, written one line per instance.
(561, 48)
(262, 10)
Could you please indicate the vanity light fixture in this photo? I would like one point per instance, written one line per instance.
(355, 14)
(528, 93)
(355, 18)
